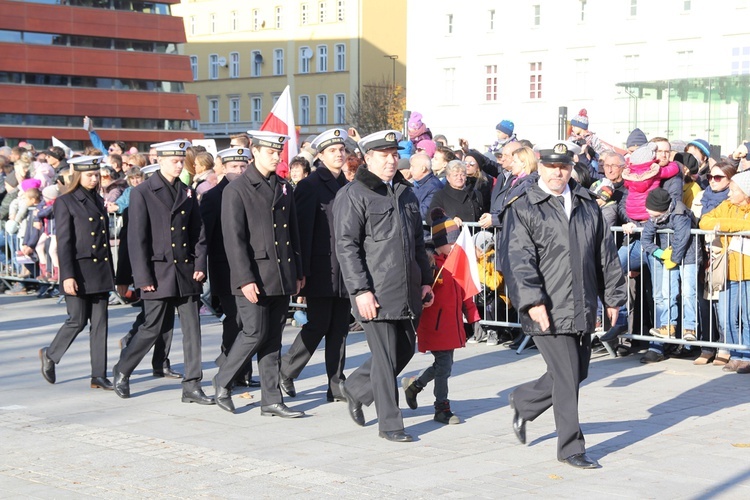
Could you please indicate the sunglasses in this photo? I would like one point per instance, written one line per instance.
(716, 178)
(131, 164)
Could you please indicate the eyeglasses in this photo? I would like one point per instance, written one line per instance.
(470, 164)
(716, 178)
(131, 164)
(613, 165)
(663, 151)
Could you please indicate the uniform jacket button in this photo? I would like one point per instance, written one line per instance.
(277, 243)
(175, 261)
(182, 212)
(106, 259)
(274, 225)
(94, 260)
(284, 225)
(104, 245)
(93, 233)
(187, 260)
(288, 260)
(173, 245)
(184, 244)
(183, 228)
(172, 228)
(93, 246)
(278, 260)
(91, 219)
(101, 217)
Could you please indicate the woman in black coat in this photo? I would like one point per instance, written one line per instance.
(455, 198)
(86, 269)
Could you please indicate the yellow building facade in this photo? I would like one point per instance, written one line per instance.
(245, 52)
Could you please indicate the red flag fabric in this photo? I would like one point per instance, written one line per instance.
(281, 121)
(462, 263)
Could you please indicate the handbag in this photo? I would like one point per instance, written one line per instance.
(716, 271)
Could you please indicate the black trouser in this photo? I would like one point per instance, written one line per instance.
(262, 324)
(392, 346)
(159, 318)
(81, 310)
(230, 328)
(163, 343)
(327, 317)
(567, 358)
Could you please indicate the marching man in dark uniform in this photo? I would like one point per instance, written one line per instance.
(328, 303)
(261, 239)
(235, 162)
(557, 259)
(168, 258)
(86, 270)
(380, 247)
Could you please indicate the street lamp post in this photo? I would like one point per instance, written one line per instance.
(393, 58)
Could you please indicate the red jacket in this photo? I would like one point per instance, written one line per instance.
(441, 327)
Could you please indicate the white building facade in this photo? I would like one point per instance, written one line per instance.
(674, 68)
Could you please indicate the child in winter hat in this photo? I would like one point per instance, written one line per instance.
(580, 134)
(417, 128)
(642, 176)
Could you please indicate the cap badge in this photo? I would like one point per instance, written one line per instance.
(95, 161)
(282, 139)
(561, 149)
(390, 136)
(181, 145)
(336, 132)
(240, 151)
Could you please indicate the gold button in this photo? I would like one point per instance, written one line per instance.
(106, 259)
(278, 260)
(274, 225)
(173, 245)
(93, 246)
(91, 219)
(183, 228)
(186, 260)
(283, 208)
(182, 212)
(277, 243)
(284, 225)
(93, 233)
(94, 260)
(172, 228)
(101, 217)
(288, 260)
(287, 243)
(105, 245)
(175, 261)
(104, 232)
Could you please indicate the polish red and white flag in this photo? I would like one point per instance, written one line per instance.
(281, 121)
(462, 263)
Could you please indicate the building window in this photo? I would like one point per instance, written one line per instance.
(192, 25)
(256, 19)
(537, 15)
(213, 111)
(234, 109)
(340, 10)
(491, 19)
(583, 10)
(305, 54)
(278, 61)
(256, 108)
(633, 8)
(322, 109)
(322, 58)
(340, 111)
(449, 79)
(274, 99)
(687, 5)
(303, 14)
(213, 23)
(256, 59)
(194, 66)
(278, 17)
(304, 110)
(234, 65)
(321, 12)
(449, 27)
(535, 80)
(582, 76)
(234, 20)
(340, 64)
(213, 67)
(490, 85)
(740, 60)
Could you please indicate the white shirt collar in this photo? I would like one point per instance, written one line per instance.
(566, 194)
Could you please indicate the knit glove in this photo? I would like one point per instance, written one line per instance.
(658, 254)
(667, 258)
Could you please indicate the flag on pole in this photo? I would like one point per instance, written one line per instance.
(281, 121)
(462, 263)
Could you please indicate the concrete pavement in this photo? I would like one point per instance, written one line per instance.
(669, 430)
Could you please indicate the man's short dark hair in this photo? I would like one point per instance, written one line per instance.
(447, 153)
(116, 160)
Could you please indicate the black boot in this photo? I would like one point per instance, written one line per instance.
(444, 415)
(412, 387)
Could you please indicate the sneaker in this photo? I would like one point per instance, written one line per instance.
(689, 335)
(492, 338)
(663, 332)
(16, 289)
(652, 357)
(477, 339)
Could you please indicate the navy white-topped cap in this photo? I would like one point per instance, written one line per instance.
(234, 154)
(265, 139)
(172, 148)
(329, 138)
(385, 139)
(559, 153)
(86, 163)
(150, 169)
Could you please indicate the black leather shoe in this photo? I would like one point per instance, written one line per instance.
(194, 394)
(280, 410)
(287, 385)
(48, 366)
(519, 424)
(396, 436)
(167, 372)
(355, 407)
(101, 383)
(253, 383)
(223, 397)
(335, 398)
(121, 384)
(582, 461)
(613, 333)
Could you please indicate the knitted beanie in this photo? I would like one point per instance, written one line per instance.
(416, 126)
(689, 161)
(644, 155)
(659, 200)
(445, 231)
(50, 192)
(702, 145)
(427, 146)
(743, 182)
(582, 120)
(636, 138)
(506, 127)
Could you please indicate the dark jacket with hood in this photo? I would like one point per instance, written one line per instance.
(565, 264)
(380, 245)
